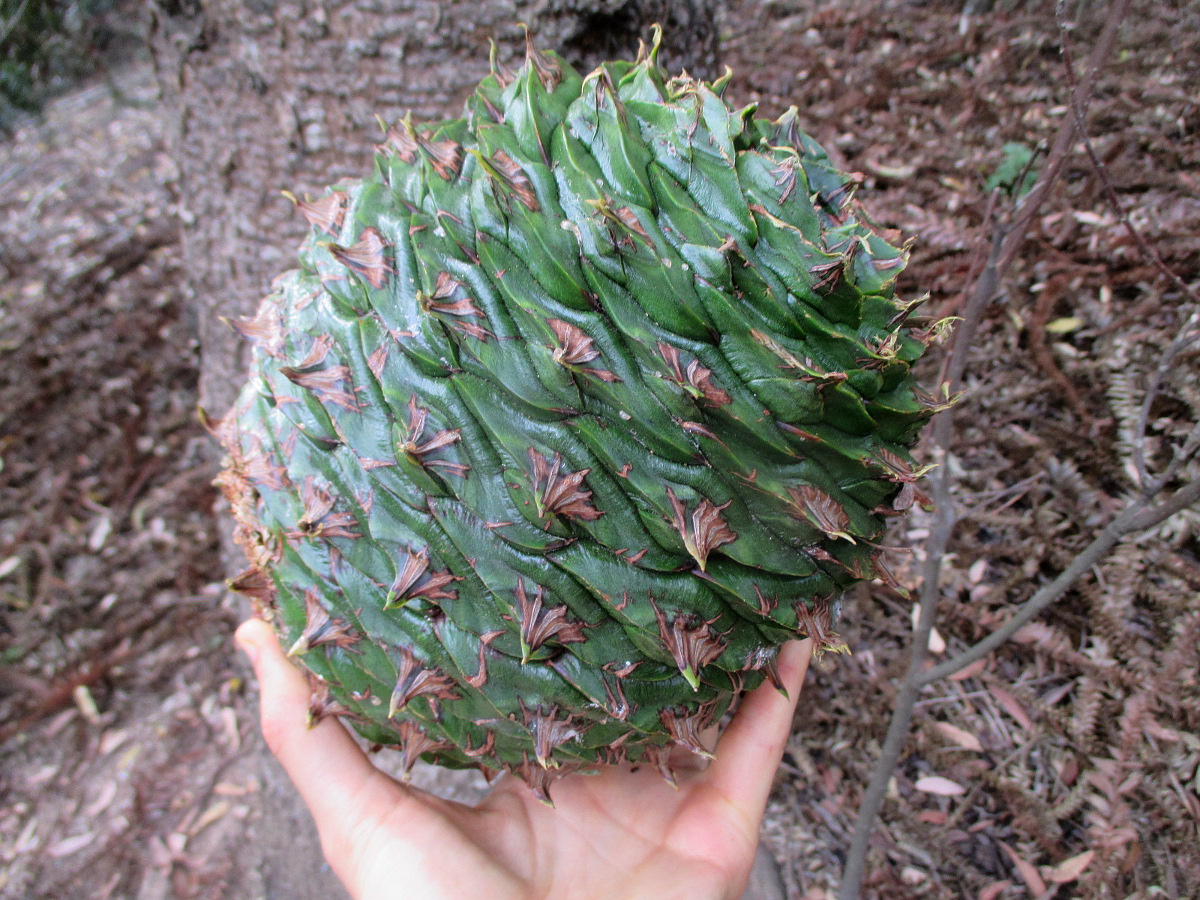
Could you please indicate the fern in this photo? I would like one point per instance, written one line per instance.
(1124, 395)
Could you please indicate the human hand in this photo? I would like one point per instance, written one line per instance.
(624, 833)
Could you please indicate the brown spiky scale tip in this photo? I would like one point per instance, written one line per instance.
(575, 348)
(549, 72)
(265, 330)
(418, 450)
(322, 704)
(318, 352)
(936, 402)
(882, 351)
(548, 731)
(328, 384)
(265, 469)
(615, 754)
(766, 605)
(445, 157)
(416, 579)
(615, 702)
(660, 757)
(817, 623)
(820, 509)
(404, 141)
(693, 644)
(899, 470)
(440, 302)
(539, 777)
(321, 628)
(325, 213)
(414, 679)
(414, 743)
(766, 660)
(365, 257)
(318, 519)
(377, 360)
(785, 177)
(513, 181)
(695, 379)
(884, 570)
(482, 751)
(623, 223)
(559, 493)
(256, 584)
(401, 141)
(684, 726)
(702, 532)
(479, 679)
(540, 623)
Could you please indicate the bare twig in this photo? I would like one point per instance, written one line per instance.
(1139, 515)
(1188, 334)
(1064, 140)
(1005, 244)
(119, 644)
(872, 802)
(935, 549)
(1079, 103)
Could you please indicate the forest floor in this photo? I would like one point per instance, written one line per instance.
(1065, 764)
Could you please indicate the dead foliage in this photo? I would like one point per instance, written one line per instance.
(117, 714)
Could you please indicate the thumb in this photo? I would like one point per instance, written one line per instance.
(285, 691)
(329, 769)
(251, 636)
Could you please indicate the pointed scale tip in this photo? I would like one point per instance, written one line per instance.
(691, 677)
(300, 647)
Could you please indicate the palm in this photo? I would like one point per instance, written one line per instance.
(623, 833)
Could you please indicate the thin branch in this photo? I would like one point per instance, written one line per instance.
(1005, 244)
(935, 549)
(1188, 334)
(1079, 104)
(12, 21)
(910, 688)
(1137, 516)
(1183, 498)
(1065, 139)
(964, 335)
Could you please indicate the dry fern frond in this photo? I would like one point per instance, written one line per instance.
(1086, 710)
(1065, 477)
(1124, 394)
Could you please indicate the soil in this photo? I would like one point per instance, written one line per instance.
(1067, 764)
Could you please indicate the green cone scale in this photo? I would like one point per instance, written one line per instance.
(576, 409)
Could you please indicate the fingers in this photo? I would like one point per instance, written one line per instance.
(750, 749)
(333, 775)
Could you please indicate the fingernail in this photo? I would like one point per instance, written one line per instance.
(248, 647)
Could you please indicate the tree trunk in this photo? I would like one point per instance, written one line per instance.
(284, 96)
(272, 96)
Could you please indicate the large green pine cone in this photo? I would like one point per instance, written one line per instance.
(576, 410)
